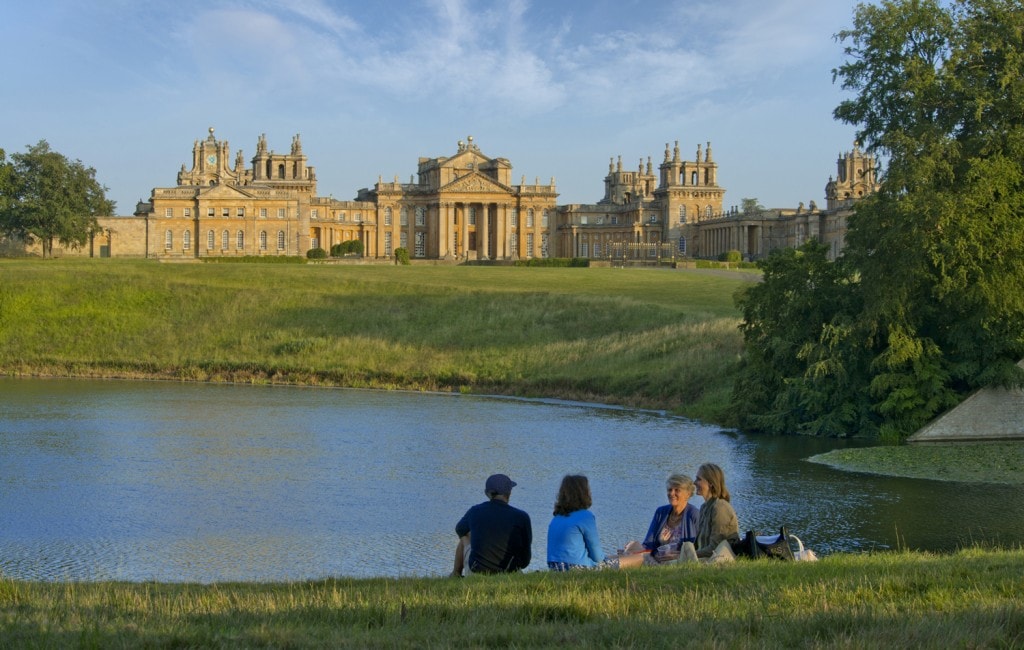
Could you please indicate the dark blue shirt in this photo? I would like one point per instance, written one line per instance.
(500, 537)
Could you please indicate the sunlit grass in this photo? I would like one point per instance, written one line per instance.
(967, 599)
(976, 462)
(649, 338)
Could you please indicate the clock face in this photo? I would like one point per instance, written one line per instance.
(211, 159)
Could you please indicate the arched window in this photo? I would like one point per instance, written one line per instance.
(240, 240)
(186, 240)
(421, 216)
(404, 217)
(707, 212)
(693, 178)
(280, 171)
(280, 240)
(224, 239)
(209, 240)
(263, 240)
(168, 240)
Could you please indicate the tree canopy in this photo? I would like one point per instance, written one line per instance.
(45, 196)
(926, 302)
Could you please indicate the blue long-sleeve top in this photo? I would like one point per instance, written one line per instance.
(690, 516)
(573, 539)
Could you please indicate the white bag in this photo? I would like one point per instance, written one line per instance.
(802, 554)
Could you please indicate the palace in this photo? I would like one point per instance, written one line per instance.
(465, 207)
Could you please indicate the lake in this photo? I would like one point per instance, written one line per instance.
(118, 480)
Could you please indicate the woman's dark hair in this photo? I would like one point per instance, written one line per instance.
(715, 478)
(573, 495)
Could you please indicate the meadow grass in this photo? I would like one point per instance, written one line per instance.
(971, 598)
(661, 339)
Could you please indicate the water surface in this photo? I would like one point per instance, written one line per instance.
(105, 480)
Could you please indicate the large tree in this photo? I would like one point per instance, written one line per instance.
(50, 198)
(935, 257)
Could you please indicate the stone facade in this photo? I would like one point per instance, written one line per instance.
(463, 207)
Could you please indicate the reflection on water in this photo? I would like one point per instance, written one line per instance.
(186, 482)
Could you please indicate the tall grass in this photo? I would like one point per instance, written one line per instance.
(970, 599)
(649, 338)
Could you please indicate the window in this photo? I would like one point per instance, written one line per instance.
(583, 249)
(168, 212)
(341, 216)
(240, 240)
(280, 213)
(263, 240)
(472, 215)
(529, 244)
(707, 212)
(544, 219)
(653, 218)
(186, 240)
(387, 216)
(225, 212)
(225, 238)
(584, 220)
(187, 212)
(682, 245)
(513, 246)
(239, 212)
(314, 214)
(358, 217)
(529, 218)
(387, 244)
(404, 217)
(263, 213)
(168, 240)
(403, 240)
(280, 240)
(544, 245)
(615, 220)
(421, 216)
(514, 217)
(210, 212)
(682, 214)
(209, 240)
(421, 244)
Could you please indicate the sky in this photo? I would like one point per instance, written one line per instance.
(558, 87)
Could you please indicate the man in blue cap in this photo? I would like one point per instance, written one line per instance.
(494, 537)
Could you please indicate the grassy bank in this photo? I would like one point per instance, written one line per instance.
(974, 462)
(647, 338)
(970, 599)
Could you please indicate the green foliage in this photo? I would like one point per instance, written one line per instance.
(937, 308)
(555, 262)
(750, 206)
(732, 257)
(43, 195)
(316, 254)
(255, 259)
(402, 256)
(350, 247)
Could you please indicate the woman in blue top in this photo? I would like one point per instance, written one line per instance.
(572, 534)
(672, 524)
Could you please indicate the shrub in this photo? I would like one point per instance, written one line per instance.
(733, 257)
(402, 256)
(316, 254)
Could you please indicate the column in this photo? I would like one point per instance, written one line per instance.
(484, 232)
(501, 227)
(464, 246)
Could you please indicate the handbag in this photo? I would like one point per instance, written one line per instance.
(756, 546)
(803, 554)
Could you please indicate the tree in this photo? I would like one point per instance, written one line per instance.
(750, 206)
(933, 259)
(51, 198)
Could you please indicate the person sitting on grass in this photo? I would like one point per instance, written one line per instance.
(494, 537)
(671, 525)
(717, 527)
(573, 542)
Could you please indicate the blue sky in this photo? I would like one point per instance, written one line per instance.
(556, 86)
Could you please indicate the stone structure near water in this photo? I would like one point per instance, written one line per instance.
(988, 414)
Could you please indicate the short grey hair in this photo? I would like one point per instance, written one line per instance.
(680, 481)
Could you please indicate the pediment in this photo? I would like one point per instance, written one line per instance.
(221, 191)
(475, 182)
